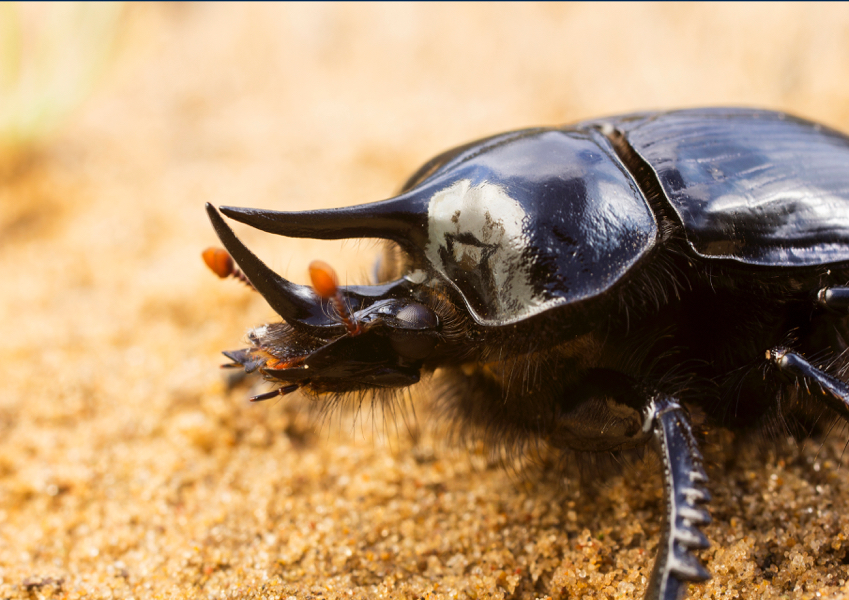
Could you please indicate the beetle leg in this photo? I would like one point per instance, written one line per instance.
(835, 393)
(835, 298)
(683, 490)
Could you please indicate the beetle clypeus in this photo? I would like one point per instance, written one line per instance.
(585, 285)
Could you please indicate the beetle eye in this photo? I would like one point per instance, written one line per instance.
(412, 336)
(416, 316)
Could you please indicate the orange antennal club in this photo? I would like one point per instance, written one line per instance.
(324, 280)
(326, 284)
(220, 263)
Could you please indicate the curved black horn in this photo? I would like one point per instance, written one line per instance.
(295, 303)
(402, 219)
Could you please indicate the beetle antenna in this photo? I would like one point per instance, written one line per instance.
(286, 389)
(326, 284)
(221, 263)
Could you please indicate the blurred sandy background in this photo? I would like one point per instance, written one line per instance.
(127, 466)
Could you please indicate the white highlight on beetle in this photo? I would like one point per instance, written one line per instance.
(490, 224)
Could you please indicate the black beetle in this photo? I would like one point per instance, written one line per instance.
(584, 285)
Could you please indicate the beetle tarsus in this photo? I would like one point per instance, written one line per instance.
(286, 389)
(834, 393)
(683, 491)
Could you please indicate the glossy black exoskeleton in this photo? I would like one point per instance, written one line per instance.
(586, 284)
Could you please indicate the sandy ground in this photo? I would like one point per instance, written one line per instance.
(128, 466)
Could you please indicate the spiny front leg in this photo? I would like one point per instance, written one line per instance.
(683, 491)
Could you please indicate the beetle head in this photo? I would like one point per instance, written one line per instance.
(493, 234)
(332, 338)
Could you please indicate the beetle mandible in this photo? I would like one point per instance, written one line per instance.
(640, 264)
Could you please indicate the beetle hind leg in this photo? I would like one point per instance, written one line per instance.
(683, 486)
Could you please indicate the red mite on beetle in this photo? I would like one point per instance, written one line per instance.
(587, 286)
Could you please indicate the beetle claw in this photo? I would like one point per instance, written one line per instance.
(243, 358)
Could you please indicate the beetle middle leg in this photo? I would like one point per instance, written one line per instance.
(835, 298)
(832, 391)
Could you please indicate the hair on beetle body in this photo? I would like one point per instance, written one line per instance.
(587, 290)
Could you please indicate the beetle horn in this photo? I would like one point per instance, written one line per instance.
(291, 301)
(401, 219)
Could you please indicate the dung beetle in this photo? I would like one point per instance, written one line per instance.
(590, 286)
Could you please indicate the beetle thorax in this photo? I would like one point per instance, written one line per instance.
(476, 233)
